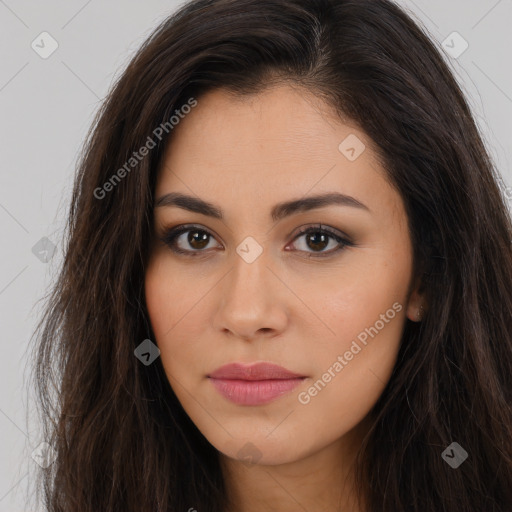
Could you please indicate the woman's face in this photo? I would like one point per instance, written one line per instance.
(249, 287)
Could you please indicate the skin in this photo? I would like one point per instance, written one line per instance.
(244, 155)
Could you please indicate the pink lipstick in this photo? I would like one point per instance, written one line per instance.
(254, 384)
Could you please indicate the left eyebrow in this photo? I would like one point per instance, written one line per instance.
(278, 212)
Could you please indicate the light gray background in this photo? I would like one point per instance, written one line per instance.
(46, 106)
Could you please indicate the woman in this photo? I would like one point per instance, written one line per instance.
(288, 278)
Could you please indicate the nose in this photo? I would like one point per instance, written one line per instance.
(252, 301)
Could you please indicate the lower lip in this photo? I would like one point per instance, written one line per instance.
(256, 392)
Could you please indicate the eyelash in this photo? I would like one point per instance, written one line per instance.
(169, 238)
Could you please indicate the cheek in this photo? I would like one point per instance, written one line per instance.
(365, 312)
(351, 371)
(157, 291)
(164, 309)
(364, 340)
(175, 307)
(350, 299)
(170, 297)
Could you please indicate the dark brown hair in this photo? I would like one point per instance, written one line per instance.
(122, 439)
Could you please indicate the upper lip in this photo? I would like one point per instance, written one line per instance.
(256, 371)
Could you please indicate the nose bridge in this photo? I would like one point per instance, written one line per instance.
(249, 300)
(249, 276)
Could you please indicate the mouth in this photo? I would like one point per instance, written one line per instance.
(255, 384)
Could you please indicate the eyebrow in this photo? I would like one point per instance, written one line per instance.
(278, 212)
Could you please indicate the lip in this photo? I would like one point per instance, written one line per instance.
(255, 371)
(254, 384)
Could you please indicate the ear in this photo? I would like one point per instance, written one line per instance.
(417, 306)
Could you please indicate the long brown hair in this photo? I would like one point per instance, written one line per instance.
(122, 439)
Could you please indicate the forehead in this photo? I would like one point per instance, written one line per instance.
(281, 121)
(280, 143)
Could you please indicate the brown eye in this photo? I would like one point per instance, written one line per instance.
(317, 239)
(187, 240)
(194, 241)
(198, 239)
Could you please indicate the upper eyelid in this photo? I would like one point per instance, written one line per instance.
(298, 230)
(180, 229)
